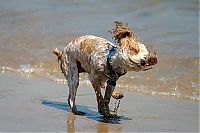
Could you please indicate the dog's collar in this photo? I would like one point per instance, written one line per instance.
(112, 74)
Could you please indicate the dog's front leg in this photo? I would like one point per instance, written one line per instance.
(108, 93)
(102, 109)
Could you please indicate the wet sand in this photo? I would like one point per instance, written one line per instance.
(40, 105)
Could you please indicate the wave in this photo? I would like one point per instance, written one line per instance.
(56, 76)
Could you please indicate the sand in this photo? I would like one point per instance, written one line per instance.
(40, 105)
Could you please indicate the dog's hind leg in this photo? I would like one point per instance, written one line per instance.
(73, 82)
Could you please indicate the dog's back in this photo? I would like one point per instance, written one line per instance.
(90, 52)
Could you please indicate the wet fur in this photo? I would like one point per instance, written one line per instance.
(89, 54)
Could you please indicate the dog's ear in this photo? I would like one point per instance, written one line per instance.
(125, 34)
(121, 31)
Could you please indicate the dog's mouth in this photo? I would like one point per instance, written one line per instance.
(135, 65)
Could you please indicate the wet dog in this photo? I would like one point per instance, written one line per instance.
(104, 61)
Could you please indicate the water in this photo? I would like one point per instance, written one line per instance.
(29, 30)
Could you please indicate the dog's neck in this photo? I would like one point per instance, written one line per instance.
(119, 60)
(128, 47)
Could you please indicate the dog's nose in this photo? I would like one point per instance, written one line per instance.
(142, 62)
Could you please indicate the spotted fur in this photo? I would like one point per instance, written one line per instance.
(90, 54)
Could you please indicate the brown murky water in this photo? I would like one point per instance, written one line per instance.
(29, 30)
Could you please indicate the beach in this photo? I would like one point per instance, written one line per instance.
(39, 105)
(33, 90)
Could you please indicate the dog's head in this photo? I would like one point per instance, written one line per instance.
(139, 56)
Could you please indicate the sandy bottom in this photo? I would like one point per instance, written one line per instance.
(40, 105)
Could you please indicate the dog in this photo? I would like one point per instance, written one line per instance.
(105, 63)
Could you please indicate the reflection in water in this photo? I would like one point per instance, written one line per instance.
(106, 125)
(103, 124)
(102, 127)
(70, 122)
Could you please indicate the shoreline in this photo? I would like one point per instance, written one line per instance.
(40, 105)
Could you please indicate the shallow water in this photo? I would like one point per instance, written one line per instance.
(29, 30)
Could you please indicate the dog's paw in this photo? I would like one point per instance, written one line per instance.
(117, 95)
(104, 111)
(76, 112)
(79, 113)
(110, 116)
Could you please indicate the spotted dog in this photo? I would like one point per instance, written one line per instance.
(105, 63)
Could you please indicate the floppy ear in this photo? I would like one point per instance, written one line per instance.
(120, 31)
(122, 34)
(125, 34)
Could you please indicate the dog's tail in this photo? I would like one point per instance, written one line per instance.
(61, 60)
(57, 52)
